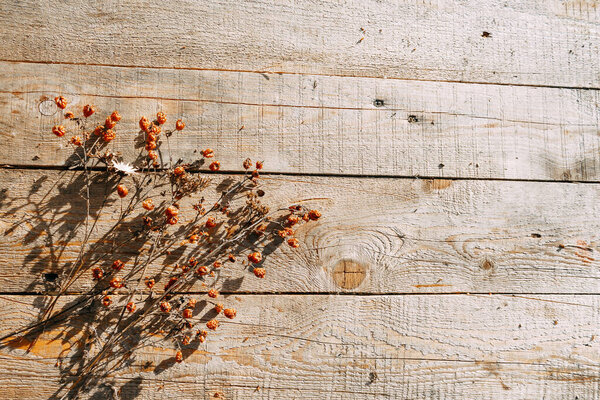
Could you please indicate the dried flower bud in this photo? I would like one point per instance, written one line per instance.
(106, 301)
(293, 242)
(231, 258)
(148, 205)
(115, 116)
(202, 270)
(118, 265)
(69, 115)
(212, 324)
(116, 283)
(147, 221)
(179, 356)
(179, 125)
(192, 262)
(314, 215)
(165, 307)
(192, 303)
(109, 123)
(130, 306)
(208, 153)
(218, 308)
(193, 238)
(213, 293)
(61, 102)
(97, 273)
(187, 313)
(214, 166)
(255, 257)
(217, 264)
(210, 222)
(259, 165)
(122, 190)
(292, 220)
(171, 211)
(178, 171)
(108, 135)
(150, 146)
(59, 130)
(171, 282)
(88, 110)
(229, 313)
(152, 155)
(144, 124)
(259, 272)
(99, 130)
(186, 340)
(247, 163)
(150, 283)
(161, 118)
(285, 232)
(76, 141)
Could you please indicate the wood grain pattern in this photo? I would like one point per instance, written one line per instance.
(340, 347)
(315, 124)
(376, 235)
(520, 42)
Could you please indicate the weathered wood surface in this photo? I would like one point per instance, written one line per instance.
(552, 43)
(315, 124)
(340, 347)
(376, 235)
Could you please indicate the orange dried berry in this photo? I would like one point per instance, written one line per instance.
(108, 135)
(247, 163)
(259, 272)
(122, 190)
(130, 306)
(152, 155)
(192, 262)
(97, 273)
(214, 166)
(76, 141)
(171, 211)
(172, 220)
(187, 313)
(165, 307)
(217, 264)
(109, 123)
(179, 125)
(212, 324)
(193, 238)
(61, 102)
(99, 130)
(292, 220)
(213, 293)
(161, 118)
(59, 130)
(255, 257)
(202, 270)
(208, 153)
(115, 116)
(154, 129)
(229, 313)
(293, 242)
(106, 301)
(144, 124)
(218, 308)
(178, 171)
(179, 356)
(210, 222)
(88, 110)
(148, 205)
(285, 232)
(259, 165)
(150, 283)
(116, 283)
(305, 217)
(69, 115)
(201, 339)
(118, 265)
(314, 215)
(150, 146)
(186, 340)
(192, 303)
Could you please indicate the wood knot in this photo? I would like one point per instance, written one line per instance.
(487, 265)
(349, 274)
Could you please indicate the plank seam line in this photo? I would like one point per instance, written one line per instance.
(314, 174)
(299, 73)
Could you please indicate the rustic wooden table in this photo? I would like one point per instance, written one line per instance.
(452, 146)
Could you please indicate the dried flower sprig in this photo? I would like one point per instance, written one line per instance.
(214, 238)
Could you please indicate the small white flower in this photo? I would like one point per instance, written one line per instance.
(125, 168)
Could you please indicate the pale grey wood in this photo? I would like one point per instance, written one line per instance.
(524, 42)
(314, 124)
(375, 236)
(340, 347)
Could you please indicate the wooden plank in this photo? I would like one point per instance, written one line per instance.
(363, 347)
(376, 235)
(520, 42)
(315, 124)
